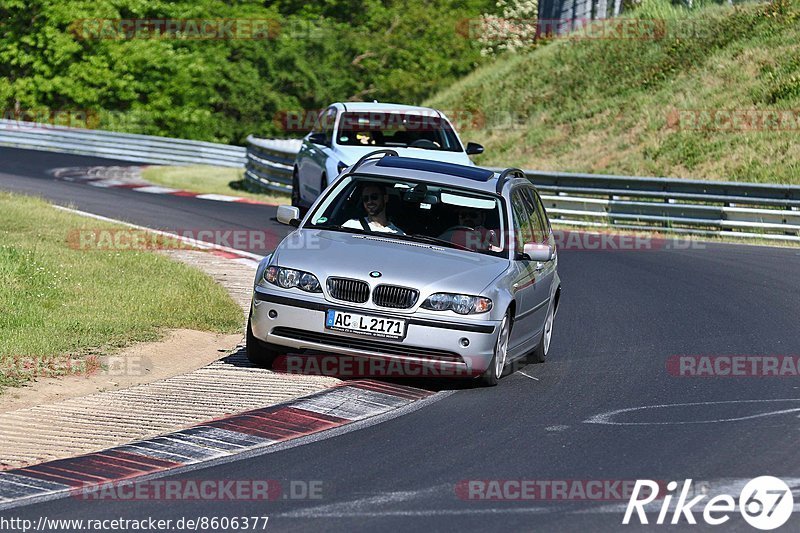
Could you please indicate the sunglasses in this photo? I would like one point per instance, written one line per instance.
(374, 197)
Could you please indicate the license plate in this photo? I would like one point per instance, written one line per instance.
(391, 328)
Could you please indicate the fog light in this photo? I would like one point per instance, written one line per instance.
(464, 342)
(273, 313)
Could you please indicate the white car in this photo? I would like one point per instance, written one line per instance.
(345, 132)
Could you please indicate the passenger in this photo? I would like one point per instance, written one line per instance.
(471, 232)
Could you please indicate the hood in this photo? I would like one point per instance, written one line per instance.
(410, 264)
(350, 154)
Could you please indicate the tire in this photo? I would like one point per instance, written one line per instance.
(295, 189)
(257, 353)
(498, 364)
(539, 355)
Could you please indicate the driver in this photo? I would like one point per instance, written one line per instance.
(374, 199)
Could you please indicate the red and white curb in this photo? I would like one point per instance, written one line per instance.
(130, 178)
(224, 437)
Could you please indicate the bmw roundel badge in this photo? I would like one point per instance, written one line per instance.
(375, 274)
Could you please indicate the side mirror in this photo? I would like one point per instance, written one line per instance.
(474, 148)
(538, 252)
(318, 138)
(288, 214)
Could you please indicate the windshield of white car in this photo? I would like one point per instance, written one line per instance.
(398, 130)
(457, 218)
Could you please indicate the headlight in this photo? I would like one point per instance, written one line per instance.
(462, 304)
(288, 278)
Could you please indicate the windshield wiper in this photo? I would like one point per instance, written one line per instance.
(337, 227)
(435, 240)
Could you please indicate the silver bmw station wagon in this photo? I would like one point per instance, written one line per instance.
(414, 261)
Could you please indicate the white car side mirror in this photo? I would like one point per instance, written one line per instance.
(288, 214)
(538, 252)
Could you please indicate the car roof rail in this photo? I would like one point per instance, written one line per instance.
(370, 155)
(506, 175)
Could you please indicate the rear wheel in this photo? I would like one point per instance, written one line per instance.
(498, 364)
(539, 355)
(257, 352)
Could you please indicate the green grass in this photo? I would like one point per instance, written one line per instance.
(210, 180)
(60, 302)
(609, 105)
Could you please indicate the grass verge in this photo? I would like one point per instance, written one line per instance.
(60, 302)
(714, 93)
(210, 180)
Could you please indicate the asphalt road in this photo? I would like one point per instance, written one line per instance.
(623, 315)
(26, 171)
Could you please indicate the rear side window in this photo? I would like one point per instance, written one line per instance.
(523, 214)
(541, 228)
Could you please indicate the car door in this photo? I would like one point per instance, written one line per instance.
(544, 271)
(311, 165)
(523, 333)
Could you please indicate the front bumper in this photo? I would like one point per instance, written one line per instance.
(299, 324)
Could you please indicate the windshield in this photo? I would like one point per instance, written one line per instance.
(399, 130)
(411, 210)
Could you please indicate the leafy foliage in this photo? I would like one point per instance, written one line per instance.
(224, 89)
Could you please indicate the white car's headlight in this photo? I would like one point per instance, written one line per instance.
(288, 278)
(462, 304)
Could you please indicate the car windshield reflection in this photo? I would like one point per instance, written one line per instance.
(414, 211)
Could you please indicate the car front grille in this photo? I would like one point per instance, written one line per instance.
(368, 345)
(348, 290)
(395, 297)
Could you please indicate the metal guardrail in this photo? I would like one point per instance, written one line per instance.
(122, 146)
(668, 205)
(672, 205)
(269, 162)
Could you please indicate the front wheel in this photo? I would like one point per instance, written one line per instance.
(539, 355)
(257, 353)
(498, 364)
